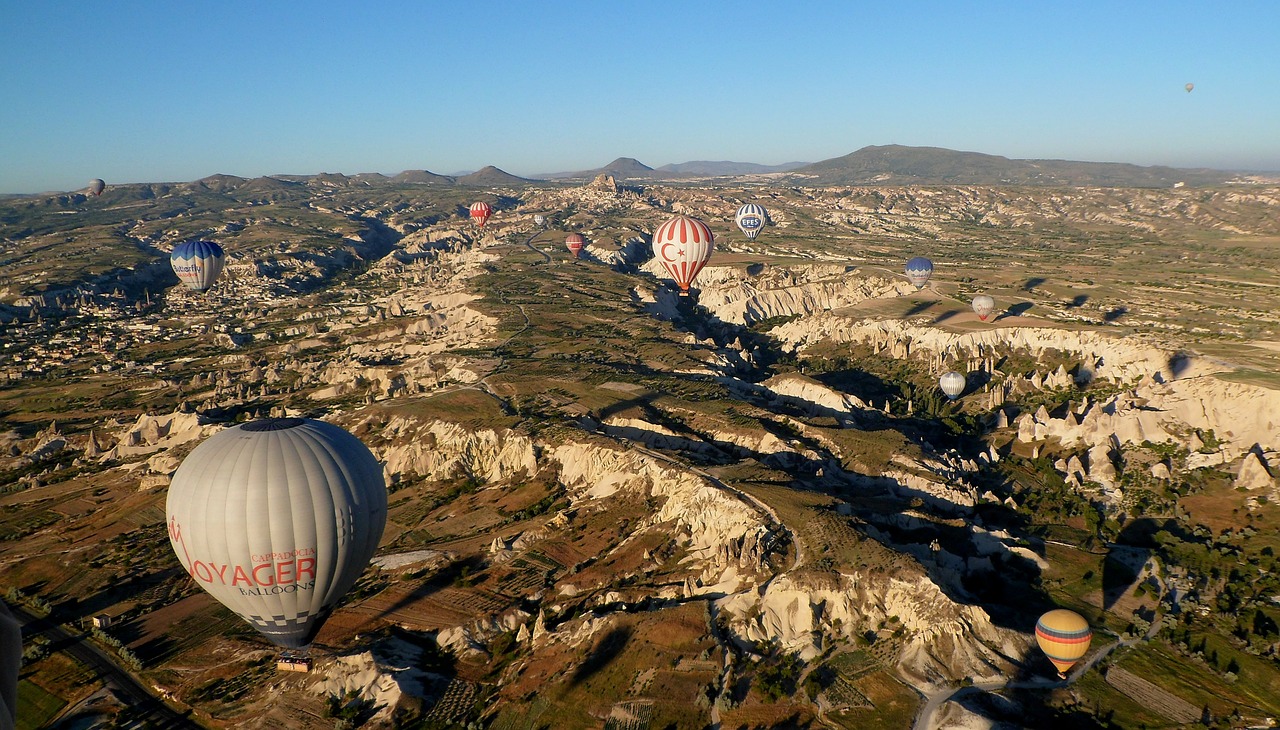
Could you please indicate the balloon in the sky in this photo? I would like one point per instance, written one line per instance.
(918, 270)
(750, 219)
(952, 383)
(539, 220)
(96, 186)
(1064, 637)
(10, 666)
(276, 519)
(198, 263)
(575, 242)
(1189, 87)
(480, 213)
(683, 245)
(983, 306)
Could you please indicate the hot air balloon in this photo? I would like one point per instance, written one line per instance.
(539, 220)
(1064, 637)
(575, 242)
(480, 213)
(919, 269)
(10, 666)
(1189, 87)
(683, 245)
(197, 263)
(983, 306)
(750, 219)
(96, 186)
(276, 519)
(952, 383)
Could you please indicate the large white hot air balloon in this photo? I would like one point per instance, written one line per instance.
(539, 220)
(96, 186)
(750, 219)
(983, 306)
(276, 519)
(683, 245)
(10, 666)
(198, 263)
(952, 383)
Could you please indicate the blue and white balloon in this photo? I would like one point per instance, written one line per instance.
(918, 271)
(198, 263)
(751, 219)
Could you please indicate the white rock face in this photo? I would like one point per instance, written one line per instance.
(945, 639)
(723, 531)
(735, 295)
(152, 433)
(442, 450)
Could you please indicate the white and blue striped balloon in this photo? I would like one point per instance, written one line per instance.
(751, 219)
(198, 263)
(918, 270)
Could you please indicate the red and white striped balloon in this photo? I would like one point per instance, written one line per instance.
(683, 245)
(480, 213)
(574, 242)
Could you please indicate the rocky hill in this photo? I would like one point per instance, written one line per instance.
(902, 165)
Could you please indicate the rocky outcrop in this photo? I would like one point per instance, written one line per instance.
(944, 640)
(443, 450)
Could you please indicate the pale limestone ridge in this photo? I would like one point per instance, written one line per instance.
(442, 450)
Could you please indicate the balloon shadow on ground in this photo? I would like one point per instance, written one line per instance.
(605, 650)
(1033, 282)
(1078, 301)
(1115, 314)
(1179, 363)
(1015, 310)
(945, 316)
(918, 308)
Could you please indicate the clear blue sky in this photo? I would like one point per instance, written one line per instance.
(176, 90)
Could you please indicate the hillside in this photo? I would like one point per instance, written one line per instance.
(610, 505)
(900, 165)
(725, 168)
(490, 175)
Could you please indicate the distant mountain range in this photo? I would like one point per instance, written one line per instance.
(900, 165)
(875, 165)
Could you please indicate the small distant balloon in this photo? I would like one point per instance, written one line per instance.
(575, 242)
(1189, 87)
(750, 219)
(918, 270)
(983, 306)
(952, 383)
(198, 263)
(96, 186)
(480, 213)
(540, 220)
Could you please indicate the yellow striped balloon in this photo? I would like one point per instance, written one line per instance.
(1064, 637)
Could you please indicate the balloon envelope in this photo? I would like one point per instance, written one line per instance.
(96, 186)
(983, 306)
(539, 220)
(952, 383)
(683, 245)
(1189, 87)
(197, 263)
(1064, 637)
(918, 270)
(480, 213)
(10, 666)
(750, 219)
(276, 519)
(574, 242)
